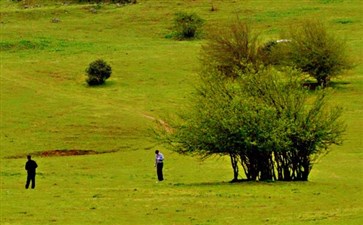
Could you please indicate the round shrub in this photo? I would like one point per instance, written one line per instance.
(98, 72)
(318, 52)
(187, 25)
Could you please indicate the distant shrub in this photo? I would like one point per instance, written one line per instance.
(187, 25)
(231, 50)
(33, 2)
(344, 21)
(310, 48)
(318, 52)
(98, 71)
(109, 1)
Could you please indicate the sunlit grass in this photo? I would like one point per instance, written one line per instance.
(46, 105)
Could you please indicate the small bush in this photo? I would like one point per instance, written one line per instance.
(98, 72)
(187, 25)
(231, 50)
(317, 52)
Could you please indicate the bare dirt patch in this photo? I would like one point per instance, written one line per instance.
(60, 153)
(50, 153)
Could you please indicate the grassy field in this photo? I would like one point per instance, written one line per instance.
(46, 105)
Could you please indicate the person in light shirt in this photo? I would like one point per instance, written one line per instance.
(159, 164)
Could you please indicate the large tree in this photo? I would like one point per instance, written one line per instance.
(262, 118)
(308, 124)
(264, 121)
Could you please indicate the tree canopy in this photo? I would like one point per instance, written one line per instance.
(314, 50)
(261, 116)
(265, 121)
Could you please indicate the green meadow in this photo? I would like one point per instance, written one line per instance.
(46, 105)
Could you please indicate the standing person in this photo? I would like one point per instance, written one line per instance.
(30, 166)
(159, 163)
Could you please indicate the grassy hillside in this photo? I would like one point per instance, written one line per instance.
(46, 105)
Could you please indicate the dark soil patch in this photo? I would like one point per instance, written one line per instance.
(50, 153)
(59, 153)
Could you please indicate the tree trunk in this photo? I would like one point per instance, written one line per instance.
(234, 163)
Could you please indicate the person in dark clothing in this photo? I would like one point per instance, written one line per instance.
(30, 166)
(159, 164)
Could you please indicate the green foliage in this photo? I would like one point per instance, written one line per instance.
(262, 118)
(344, 21)
(317, 52)
(187, 25)
(98, 71)
(265, 120)
(306, 125)
(231, 50)
(275, 53)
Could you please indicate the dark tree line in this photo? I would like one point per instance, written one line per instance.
(108, 1)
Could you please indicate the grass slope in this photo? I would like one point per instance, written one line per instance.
(45, 105)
